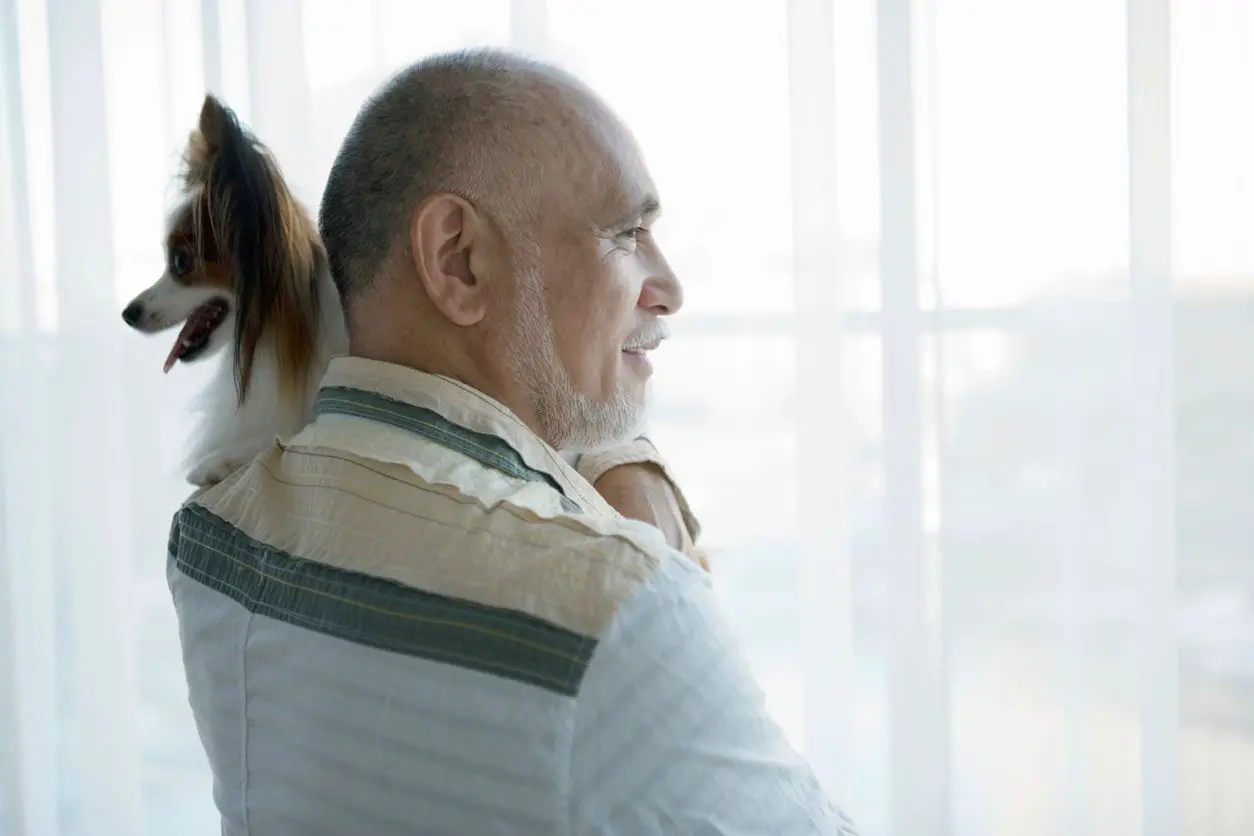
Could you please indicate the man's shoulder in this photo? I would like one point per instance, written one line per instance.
(476, 536)
(377, 555)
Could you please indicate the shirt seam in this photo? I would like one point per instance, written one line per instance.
(244, 722)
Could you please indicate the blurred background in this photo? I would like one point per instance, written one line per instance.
(963, 392)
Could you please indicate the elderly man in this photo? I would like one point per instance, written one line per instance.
(415, 616)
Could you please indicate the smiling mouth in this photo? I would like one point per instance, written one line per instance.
(637, 357)
(193, 338)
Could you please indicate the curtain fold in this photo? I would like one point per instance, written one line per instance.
(1152, 460)
(824, 572)
(27, 677)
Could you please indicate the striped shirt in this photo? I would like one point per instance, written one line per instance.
(415, 617)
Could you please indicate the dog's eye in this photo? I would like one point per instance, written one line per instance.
(180, 262)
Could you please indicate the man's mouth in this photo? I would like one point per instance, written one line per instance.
(641, 349)
(636, 349)
(646, 340)
(193, 338)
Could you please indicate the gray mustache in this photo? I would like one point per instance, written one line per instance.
(656, 332)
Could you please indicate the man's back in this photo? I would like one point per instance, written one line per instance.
(413, 617)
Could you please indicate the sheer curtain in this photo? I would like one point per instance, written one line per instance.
(963, 391)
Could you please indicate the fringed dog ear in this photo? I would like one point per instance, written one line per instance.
(214, 118)
(271, 246)
(277, 289)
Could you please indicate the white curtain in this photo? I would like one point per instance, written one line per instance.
(963, 392)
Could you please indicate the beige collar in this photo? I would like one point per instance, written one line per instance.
(472, 422)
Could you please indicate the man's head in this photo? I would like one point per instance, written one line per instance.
(488, 218)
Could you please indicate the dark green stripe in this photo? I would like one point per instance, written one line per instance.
(487, 449)
(376, 612)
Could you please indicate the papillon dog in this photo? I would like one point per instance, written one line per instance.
(244, 270)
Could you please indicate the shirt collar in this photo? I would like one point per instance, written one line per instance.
(453, 414)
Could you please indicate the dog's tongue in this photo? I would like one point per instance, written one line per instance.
(186, 338)
(180, 345)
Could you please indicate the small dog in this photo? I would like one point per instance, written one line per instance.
(245, 268)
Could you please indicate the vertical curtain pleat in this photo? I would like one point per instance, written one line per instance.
(827, 667)
(211, 34)
(1151, 387)
(914, 727)
(29, 724)
(278, 84)
(88, 460)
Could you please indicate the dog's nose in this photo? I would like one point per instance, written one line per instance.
(132, 314)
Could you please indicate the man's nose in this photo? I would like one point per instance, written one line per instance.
(663, 293)
(133, 313)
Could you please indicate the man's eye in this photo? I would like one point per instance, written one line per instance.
(633, 234)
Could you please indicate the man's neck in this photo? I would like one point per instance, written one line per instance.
(458, 363)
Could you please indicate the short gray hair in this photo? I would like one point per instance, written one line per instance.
(469, 123)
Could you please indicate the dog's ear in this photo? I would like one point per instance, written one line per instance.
(274, 250)
(214, 117)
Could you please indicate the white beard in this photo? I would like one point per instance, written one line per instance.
(571, 421)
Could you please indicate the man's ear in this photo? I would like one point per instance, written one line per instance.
(443, 235)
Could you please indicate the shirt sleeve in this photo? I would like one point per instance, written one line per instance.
(673, 736)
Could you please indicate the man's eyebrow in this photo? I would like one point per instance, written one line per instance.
(645, 211)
